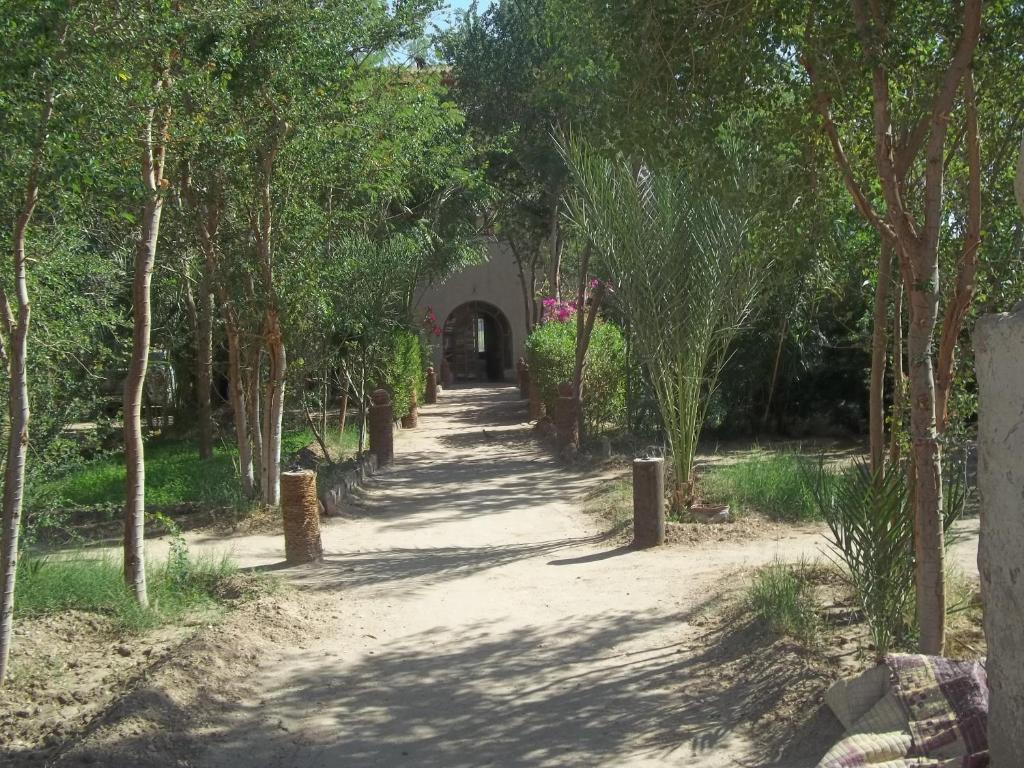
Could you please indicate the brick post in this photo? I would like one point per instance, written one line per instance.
(648, 502)
(412, 418)
(431, 394)
(300, 509)
(566, 416)
(382, 426)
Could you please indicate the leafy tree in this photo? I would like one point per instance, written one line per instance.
(676, 256)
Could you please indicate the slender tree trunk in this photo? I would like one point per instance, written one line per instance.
(1018, 182)
(876, 408)
(585, 320)
(343, 401)
(773, 383)
(273, 413)
(527, 309)
(899, 380)
(236, 394)
(967, 268)
(153, 153)
(929, 543)
(16, 329)
(204, 359)
(253, 402)
(556, 248)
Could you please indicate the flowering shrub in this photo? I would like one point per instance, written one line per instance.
(551, 353)
(430, 325)
(555, 311)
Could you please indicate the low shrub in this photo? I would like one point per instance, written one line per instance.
(402, 370)
(782, 596)
(182, 585)
(779, 485)
(551, 353)
(871, 530)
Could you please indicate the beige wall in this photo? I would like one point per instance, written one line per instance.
(495, 281)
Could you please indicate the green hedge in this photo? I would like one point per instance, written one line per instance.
(403, 370)
(551, 353)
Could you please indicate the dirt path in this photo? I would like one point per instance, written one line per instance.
(470, 615)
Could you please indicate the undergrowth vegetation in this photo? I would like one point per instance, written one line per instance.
(782, 596)
(779, 485)
(175, 475)
(181, 588)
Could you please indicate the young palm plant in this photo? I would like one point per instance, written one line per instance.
(683, 277)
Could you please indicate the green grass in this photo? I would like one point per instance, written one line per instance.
(174, 476)
(782, 596)
(779, 485)
(180, 588)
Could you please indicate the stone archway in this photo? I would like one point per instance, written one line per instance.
(477, 342)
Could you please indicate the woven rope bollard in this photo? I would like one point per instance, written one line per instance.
(301, 511)
(566, 416)
(412, 419)
(648, 502)
(430, 398)
(382, 427)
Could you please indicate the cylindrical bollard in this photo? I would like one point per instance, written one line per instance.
(382, 426)
(536, 404)
(431, 393)
(300, 509)
(412, 418)
(566, 416)
(524, 380)
(648, 502)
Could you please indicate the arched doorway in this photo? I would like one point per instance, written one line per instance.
(477, 342)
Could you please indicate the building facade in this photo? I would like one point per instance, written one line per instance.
(479, 323)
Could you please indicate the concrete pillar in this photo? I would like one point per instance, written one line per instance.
(536, 404)
(300, 508)
(566, 416)
(999, 360)
(431, 393)
(382, 427)
(412, 418)
(648, 502)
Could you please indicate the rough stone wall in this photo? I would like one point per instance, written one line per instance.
(999, 356)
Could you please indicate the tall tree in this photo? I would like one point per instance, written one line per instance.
(914, 231)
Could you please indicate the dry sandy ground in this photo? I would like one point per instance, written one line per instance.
(468, 614)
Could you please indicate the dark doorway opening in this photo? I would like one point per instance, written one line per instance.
(477, 342)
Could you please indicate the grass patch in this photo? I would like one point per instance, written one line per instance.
(179, 588)
(174, 476)
(783, 597)
(779, 485)
(613, 501)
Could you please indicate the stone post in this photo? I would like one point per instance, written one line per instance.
(431, 393)
(412, 418)
(524, 379)
(536, 404)
(648, 502)
(382, 427)
(999, 361)
(300, 509)
(566, 416)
